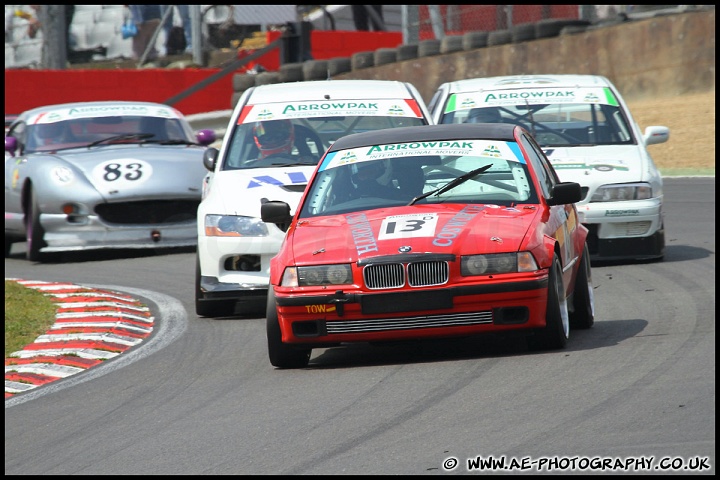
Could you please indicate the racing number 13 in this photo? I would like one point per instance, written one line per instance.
(398, 226)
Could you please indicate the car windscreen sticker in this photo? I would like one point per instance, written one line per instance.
(348, 108)
(532, 96)
(508, 151)
(408, 226)
(103, 111)
(121, 173)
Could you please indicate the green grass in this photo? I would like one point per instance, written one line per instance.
(28, 314)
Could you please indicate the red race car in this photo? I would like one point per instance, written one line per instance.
(428, 232)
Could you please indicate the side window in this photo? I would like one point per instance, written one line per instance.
(545, 173)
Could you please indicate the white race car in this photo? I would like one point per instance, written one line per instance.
(586, 130)
(276, 135)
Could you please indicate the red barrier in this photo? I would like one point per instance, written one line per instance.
(25, 89)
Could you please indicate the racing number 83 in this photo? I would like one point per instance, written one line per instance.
(113, 171)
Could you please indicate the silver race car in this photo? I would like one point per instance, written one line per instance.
(98, 175)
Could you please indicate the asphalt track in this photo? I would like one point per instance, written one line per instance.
(93, 324)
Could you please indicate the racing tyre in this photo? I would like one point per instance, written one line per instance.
(583, 314)
(34, 232)
(557, 329)
(282, 355)
(8, 247)
(210, 308)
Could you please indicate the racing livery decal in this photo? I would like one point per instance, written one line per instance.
(289, 110)
(466, 101)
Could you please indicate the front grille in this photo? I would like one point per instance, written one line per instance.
(409, 323)
(152, 212)
(393, 275)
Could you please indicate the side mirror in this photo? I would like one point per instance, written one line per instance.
(210, 158)
(206, 137)
(11, 144)
(564, 193)
(276, 212)
(656, 134)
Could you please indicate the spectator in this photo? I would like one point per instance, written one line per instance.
(147, 20)
(184, 12)
(32, 15)
(368, 17)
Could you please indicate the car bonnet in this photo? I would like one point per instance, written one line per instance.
(446, 228)
(149, 170)
(598, 165)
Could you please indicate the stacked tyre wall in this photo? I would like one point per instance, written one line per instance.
(659, 56)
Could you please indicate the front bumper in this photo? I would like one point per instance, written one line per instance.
(624, 230)
(93, 234)
(404, 315)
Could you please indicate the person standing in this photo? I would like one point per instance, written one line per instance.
(147, 20)
(184, 12)
(368, 17)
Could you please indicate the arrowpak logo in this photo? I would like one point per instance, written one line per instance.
(92, 326)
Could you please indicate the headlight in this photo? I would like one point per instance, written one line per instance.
(234, 226)
(497, 263)
(620, 193)
(319, 275)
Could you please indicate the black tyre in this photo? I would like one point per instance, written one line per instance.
(210, 308)
(499, 37)
(8, 246)
(267, 78)
(551, 27)
(523, 32)
(429, 47)
(451, 43)
(473, 40)
(407, 52)
(361, 60)
(291, 72)
(280, 354)
(34, 232)
(583, 313)
(242, 81)
(339, 65)
(557, 329)
(315, 70)
(384, 56)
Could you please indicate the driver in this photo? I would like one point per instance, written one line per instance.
(484, 115)
(273, 137)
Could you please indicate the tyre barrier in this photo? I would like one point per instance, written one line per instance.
(383, 56)
(451, 43)
(362, 60)
(429, 48)
(315, 69)
(407, 52)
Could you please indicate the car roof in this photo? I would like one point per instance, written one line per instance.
(103, 103)
(330, 89)
(525, 81)
(427, 133)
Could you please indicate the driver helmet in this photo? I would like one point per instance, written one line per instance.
(484, 115)
(377, 170)
(274, 136)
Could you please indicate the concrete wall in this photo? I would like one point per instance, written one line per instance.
(661, 56)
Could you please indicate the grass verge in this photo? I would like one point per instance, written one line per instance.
(28, 314)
